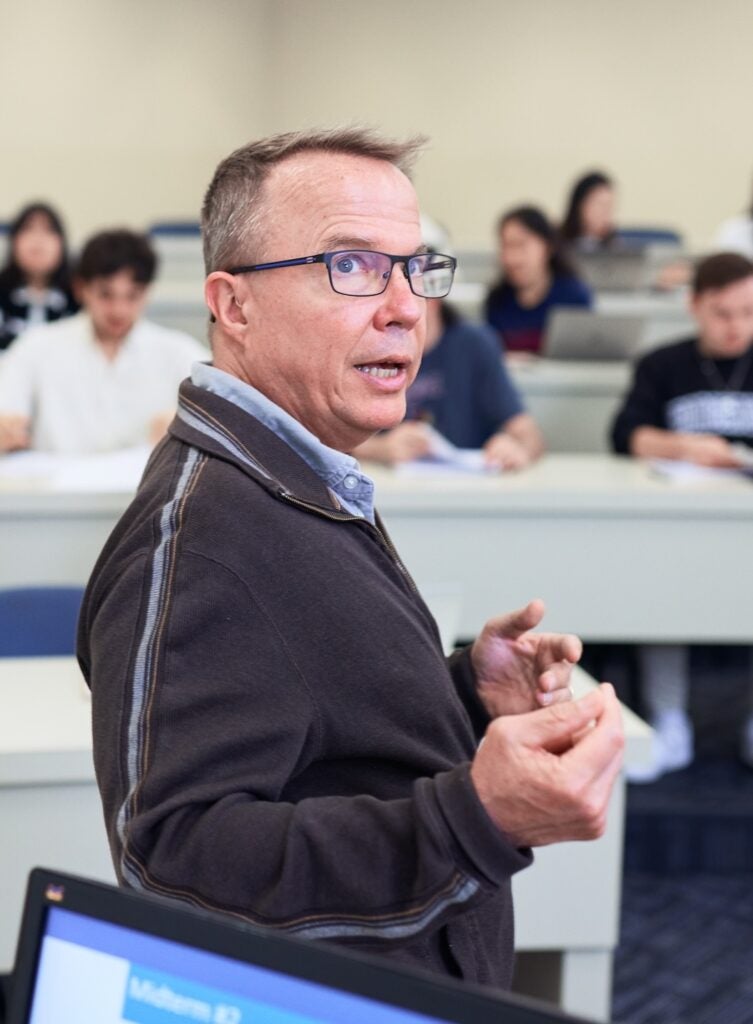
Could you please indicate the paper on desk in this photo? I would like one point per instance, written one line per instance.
(444, 457)
(106, 472)
(688, 472)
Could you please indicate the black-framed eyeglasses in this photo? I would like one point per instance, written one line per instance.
(365, 272)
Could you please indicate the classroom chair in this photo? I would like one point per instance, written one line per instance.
(38, 621)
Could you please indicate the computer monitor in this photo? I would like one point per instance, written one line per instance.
(89, 953)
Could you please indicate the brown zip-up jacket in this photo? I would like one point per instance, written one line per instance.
(277, 734)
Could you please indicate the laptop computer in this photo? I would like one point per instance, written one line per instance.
(587, 334)
(89, 953)
(623, 270)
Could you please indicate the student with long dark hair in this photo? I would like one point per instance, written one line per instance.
(35, 284)
(536, 277)
(589, 219)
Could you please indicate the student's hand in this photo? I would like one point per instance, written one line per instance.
(14, 432)
(502, 451)
(517, 670)
(409, 440)
(709, 450)
(674, 275)
(546, 777)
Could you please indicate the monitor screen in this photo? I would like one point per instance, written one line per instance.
(90, 970)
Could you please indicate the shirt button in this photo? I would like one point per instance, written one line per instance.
(351, 482)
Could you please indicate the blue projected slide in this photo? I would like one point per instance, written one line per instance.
(92, 971)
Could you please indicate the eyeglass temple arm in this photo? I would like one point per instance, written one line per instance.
(299, 262)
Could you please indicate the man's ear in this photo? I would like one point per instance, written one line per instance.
(221, 295)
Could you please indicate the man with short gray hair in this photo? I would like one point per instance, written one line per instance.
(277, 733)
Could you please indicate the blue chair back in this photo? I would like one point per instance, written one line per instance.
(639, 236)
(37, 621)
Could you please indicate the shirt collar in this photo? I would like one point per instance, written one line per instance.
(339, 471)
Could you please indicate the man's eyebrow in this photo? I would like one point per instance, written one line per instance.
(337, 242)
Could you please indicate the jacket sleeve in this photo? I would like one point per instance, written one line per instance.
(643, 407)
(201, 719)
(464, 678)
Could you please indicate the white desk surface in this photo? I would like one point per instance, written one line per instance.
(45, 725)
(618, 553)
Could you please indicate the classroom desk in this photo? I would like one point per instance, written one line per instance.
(573, 401)
(617, 553)
(567, 904)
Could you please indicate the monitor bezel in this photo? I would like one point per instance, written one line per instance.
(356, 973)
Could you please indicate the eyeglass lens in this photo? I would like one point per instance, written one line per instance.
(363, 272)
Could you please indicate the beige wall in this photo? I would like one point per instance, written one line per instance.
(119, 109)
(519, 96)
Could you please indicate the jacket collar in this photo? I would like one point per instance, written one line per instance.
(219, 427)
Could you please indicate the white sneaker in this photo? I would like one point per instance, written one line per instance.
(672, 747)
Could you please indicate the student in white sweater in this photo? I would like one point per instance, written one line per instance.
(105, 378)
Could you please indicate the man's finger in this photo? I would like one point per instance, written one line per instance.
(556, 677)
(597, 747)
(555, 647)
(554, 727)
(514, 624)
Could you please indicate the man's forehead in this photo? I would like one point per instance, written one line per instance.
(336, 193)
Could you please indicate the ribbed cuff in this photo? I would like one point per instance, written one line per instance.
(488, 851)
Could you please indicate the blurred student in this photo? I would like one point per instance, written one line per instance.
(463, 391)
(35, 285)
(736, 234)
(105, 378)
(589, 221)
(693, 401)
(536, 278)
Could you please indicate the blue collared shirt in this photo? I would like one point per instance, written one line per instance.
(340, 472)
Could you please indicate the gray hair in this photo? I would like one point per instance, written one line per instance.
(233, 208)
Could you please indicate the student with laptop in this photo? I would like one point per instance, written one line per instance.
(536, 278)
(463, 391)
(693, 401)
(105, 378)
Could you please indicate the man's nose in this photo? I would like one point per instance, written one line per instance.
(399, 305)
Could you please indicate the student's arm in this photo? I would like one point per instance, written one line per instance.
(515, 439)
(409, 440)
(643, 406)
(17, 394)
(517, 445)
(703, 449)
(640, 428)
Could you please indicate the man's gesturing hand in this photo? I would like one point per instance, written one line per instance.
(516, 670)
(546, 777)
